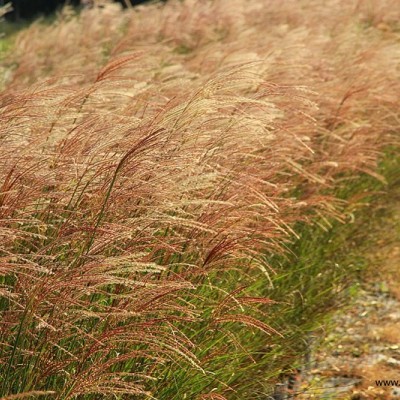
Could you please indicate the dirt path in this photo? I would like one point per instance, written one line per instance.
(363, 346)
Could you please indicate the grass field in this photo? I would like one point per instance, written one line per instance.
(182, 190)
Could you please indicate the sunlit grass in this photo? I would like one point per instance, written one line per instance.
(181, 192)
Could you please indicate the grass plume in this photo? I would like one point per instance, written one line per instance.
(155, 164)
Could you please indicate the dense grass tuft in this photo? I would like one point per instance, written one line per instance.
(172, 182)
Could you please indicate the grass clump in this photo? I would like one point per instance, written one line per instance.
(156, 204)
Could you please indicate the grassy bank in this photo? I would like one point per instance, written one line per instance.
(361, 339)
(320, 273)
(181, 187)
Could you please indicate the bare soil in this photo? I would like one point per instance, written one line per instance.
(363, 343)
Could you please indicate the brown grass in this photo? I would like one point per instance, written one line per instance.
(143, 152)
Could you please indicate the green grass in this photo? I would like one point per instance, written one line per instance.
(8, 32)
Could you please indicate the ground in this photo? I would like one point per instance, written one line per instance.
(363, 343)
